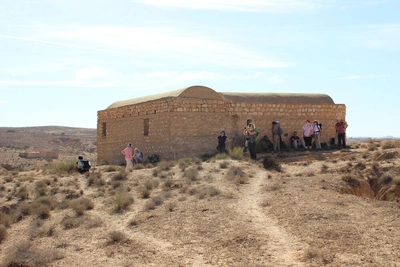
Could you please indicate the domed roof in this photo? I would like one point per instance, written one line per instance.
(203, 92)
(197, 91)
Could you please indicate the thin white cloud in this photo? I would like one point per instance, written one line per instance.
(268, 6)
(73, 83)
(149, 80)
(155, 45)
(61, 44)
(364, 77)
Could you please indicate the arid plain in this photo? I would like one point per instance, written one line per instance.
(298, 208)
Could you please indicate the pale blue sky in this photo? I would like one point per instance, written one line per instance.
(63, 60)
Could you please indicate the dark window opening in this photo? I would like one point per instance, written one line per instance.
(146, 124)
(104, 129)
(249, 121)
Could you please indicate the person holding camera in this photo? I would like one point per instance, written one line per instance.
(251, 133)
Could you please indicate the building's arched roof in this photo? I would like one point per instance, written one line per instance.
(197, 91)
(203, 92)
(272, 98)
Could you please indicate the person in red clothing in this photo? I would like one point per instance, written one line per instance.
(128, 157)
(341, 133)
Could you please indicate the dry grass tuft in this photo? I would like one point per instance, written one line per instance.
(387, 155)
(39, 229)
(122, 200)
(236, 175)
(168, 184)
(138, 166)
(116, 237)
(95, 179)
(191, 174)
(144, 192)
(80, 205)
(120, 176)
(272, 164)
(72, 222)
(390, 144)
(351, 180)
(170, 206)
(111, 168)
(24, 254)
(236, 153)
(23, 193)
(224, 164)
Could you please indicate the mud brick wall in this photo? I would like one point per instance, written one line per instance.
(181, 127)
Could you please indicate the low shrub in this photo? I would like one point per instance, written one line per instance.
(63, 167)
(236, 153)
(23, 193)
(170, 206)
(224, 164)
(144, 192)
(192, 174)
(25, 254)
(122, 200)
(80, 205)
(270, 163)
(116, 237)
(111, 168)
(120, 176)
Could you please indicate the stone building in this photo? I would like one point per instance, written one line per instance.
(186, 122)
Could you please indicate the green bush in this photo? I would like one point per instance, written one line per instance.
(236, 153)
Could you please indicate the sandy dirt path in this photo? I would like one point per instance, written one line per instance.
(283, 249)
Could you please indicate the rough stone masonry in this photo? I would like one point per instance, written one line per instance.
(186, 122)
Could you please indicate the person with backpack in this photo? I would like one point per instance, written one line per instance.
(308, 132)
(317, 134)
(276, 138)
(82, 165)
(137, 156)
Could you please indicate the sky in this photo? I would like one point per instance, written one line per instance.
(61, 61)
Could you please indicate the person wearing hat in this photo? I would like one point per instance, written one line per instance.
(308, 131)
(251, 133)
(317, 134)
(127, 152)
(221, 142)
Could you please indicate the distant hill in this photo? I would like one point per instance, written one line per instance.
(68, 141)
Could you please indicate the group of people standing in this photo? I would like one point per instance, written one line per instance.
(311, 131)
(132, 156)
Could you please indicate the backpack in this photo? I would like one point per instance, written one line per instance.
(257, 133)
(280, 132)
(153, 158)
(320, 126)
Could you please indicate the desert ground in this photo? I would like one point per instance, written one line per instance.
(297, 208)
